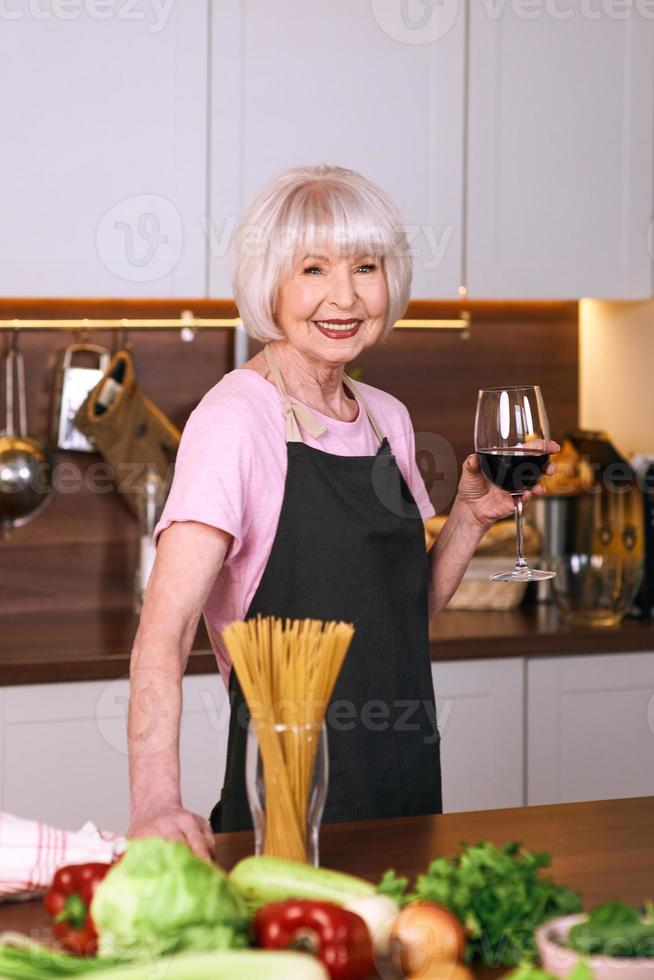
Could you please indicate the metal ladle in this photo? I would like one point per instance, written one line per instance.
(25, 464)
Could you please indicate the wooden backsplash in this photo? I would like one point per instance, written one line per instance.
(81, 553)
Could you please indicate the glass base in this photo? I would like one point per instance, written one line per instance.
(523, 575)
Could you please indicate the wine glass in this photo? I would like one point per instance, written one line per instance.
(512, 436)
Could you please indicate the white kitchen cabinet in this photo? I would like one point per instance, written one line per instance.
(348, 83)
(590, 727)
(560, 159)
(480, 710)
(103, 170)
(64, 751)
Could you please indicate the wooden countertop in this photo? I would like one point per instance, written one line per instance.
(83, 646)
(602, 849)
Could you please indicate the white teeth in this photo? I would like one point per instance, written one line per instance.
(338, 327)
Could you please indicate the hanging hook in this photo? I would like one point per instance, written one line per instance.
(125, 342)
(84, 333)
(187, 333)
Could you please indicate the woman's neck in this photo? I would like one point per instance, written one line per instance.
(316, 383)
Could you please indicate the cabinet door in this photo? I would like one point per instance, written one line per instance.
(591, 727)
(103, 170)
(64, 750)
(480, 709)
(560, 149)
(364, 85)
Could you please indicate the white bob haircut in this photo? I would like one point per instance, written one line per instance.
(301, 209)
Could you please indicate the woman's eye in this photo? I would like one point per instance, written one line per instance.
(367, 267)
(312, 269)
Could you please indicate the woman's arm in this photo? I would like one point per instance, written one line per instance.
(189, 557)
(477, 505)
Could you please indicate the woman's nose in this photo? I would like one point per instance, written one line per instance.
(343, 293)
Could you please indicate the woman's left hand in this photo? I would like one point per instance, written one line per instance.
(485, 502)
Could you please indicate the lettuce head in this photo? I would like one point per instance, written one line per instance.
(160, 898)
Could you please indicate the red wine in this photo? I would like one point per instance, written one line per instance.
(514, 469)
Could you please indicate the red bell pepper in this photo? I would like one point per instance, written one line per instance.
(339, 938)
(68, 900)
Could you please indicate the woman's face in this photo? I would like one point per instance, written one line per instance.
(331, 307)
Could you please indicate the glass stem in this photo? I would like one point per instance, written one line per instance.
(519, 534)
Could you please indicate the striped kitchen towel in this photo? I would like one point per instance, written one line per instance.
(31, 852)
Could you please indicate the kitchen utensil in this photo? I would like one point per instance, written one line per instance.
(129, 431)
(596, 589)
(25, 464)
(558, 960)
(75, 383)
(594, 536)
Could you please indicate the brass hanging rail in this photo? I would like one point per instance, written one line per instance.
(188, 320)
(122, 323)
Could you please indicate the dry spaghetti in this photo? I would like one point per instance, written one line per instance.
(287, 672)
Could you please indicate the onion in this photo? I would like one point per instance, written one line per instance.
(427, 940)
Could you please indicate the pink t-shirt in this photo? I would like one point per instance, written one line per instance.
(231, 469)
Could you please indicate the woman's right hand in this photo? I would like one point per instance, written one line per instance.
(176, 823)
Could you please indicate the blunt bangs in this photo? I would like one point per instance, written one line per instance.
(302, 210)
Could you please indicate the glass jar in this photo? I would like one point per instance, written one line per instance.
(312, 774)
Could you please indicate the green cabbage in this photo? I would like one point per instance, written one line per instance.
(160, 898)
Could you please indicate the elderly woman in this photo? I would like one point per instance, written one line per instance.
(296, 494)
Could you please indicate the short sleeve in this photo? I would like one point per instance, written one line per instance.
(414, 480)
(211, 473)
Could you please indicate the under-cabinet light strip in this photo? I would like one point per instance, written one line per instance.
(177, 323)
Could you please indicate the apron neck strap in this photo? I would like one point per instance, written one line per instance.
(297, 414)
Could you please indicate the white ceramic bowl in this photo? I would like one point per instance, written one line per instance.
(558, 960)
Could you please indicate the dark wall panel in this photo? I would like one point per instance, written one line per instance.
(81, 553)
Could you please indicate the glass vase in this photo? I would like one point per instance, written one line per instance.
(297, 774)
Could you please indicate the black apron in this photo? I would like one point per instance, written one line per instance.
(350, 546)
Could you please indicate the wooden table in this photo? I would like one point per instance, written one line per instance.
(603, 849)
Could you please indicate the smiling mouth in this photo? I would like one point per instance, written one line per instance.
(338, 329)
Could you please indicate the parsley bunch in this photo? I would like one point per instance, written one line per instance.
(497, 893)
